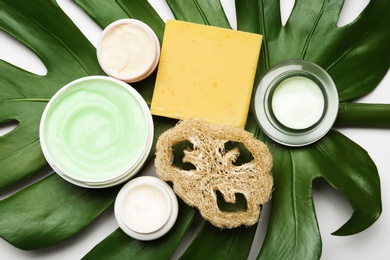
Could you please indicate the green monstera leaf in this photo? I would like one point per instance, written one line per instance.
(33, 218)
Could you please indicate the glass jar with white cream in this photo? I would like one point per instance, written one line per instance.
(296, 102)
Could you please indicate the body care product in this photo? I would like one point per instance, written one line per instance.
(96, 132)
(146, 208)
(296, 102)
(206, 72)
(128, 50)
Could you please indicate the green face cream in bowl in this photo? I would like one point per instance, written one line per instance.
(96, 132)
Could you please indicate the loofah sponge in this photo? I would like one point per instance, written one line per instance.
(214, 170)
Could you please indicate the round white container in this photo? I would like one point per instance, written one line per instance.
(146, 208)
(96, 132)
(296, 102)
(128, 50)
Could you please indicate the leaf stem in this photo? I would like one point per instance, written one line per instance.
(363, 114)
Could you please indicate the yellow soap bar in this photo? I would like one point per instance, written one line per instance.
(205, 72)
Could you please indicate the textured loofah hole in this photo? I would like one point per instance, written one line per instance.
(178, 154)
(244, 155)
(239, 205)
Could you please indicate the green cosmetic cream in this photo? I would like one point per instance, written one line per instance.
(96, 131)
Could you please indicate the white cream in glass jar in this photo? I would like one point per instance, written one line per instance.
(295, 102)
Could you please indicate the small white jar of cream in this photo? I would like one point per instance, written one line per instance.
(296, 102)
(128, 50)
(146, 208)
(96, 132)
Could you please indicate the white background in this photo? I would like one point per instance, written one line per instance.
(333, 210)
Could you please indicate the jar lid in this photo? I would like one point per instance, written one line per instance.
(296, 102)
(96, 132)
(146, 208)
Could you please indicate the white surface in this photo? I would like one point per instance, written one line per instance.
(333, 209)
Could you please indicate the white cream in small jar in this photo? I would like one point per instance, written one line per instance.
(295, 102)
(298, 102)
(146, 208)
(128, 50)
